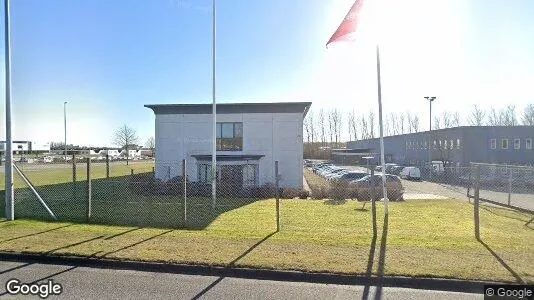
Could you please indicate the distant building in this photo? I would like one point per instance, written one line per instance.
(26, 147)
(456, 146)
(250, 138)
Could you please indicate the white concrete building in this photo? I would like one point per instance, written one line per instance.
(130, 154)
(110, 152)
(250, 138)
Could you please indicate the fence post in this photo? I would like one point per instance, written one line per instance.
(476, 202)
(277, 196)
(73, 177)
(107, 165)
(131, 172)
(184, 178)
(509, 186)
(89, 192)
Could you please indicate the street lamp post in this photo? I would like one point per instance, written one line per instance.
(430, 100)
(65, 127)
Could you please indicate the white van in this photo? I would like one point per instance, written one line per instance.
(411, 173)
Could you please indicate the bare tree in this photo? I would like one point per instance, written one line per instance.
(446, 117)
(353, 127)
(312, 126)
(508, 116)
(331, 125)
(476, 117)
(494, 118)
(151, 145)
(125, 137)
(337, 119)
(415, 121)
(528, 115)
(364, 128)
(387, 126)
(401, 123)
(437, 123)
(322, 126)
(410, 121)
(371, 124)
(455, 121)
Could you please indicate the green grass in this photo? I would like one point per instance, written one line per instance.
(430, 238)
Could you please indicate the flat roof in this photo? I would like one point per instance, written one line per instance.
(230, 108)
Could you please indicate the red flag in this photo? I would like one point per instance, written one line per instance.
(349, 24)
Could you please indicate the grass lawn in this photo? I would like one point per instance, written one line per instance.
(424, 238)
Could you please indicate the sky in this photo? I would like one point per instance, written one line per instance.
(109, 58)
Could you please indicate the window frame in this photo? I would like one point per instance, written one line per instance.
(517, 144)
(507, 144)
(225, 143)
(528, 143)
(493, 144)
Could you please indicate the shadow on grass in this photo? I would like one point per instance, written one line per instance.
(123, 201)
(33, 234)
(501, 212)
(121, 233)
(370, 260)
(382, 256)
(75, 244)
(135, 244)
(231, 264)
(518, 278)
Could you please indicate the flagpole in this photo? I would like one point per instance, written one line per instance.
(10, 208)
(382, 156)
(214, 113)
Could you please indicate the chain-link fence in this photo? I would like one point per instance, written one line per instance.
(83, 189)
(503, 185)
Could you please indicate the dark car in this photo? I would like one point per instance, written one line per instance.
(396, 170)
(350, 176)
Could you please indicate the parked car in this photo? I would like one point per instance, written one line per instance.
(319, 166)
(349, 176)
(326, 170)
(336, 173)
(411, 173)
(378, 168)
(396, 170)
(308, 163)
(363, 188)
(389, 167)
(328, 174)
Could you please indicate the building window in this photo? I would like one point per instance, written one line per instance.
(457, 143)
(445, 144)
(517, 144)
(493, 143)
(435, 144)
(229, 136)
(528, 143)
(451, 145)
(440, 144)
(204, 173)
(250, 175)
(504, 144)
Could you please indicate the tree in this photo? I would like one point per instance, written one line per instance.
(455, 121)
(415, 123)
(337, 122)
(476, 117)
(322, 125)
(528, 115)
(409, 121)
(446, 117)
(331, 125)
(353, 127)
(372, 124)
(437, 123)
(125, 137)
(151, 144)
(401, 123)
(508, 116)
(364, 129)
(307, 128)
(494, 118)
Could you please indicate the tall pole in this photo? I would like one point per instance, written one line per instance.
(430, 100)
(10, 207)
(214, 113)
(382, 156)
(65, 127)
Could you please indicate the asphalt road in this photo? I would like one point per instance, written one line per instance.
(89, 283)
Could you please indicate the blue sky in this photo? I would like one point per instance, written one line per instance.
(109, 58)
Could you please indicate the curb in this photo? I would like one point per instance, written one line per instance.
(440, 284)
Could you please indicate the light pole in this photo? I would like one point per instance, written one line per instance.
(65, 127)
(430, 100)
